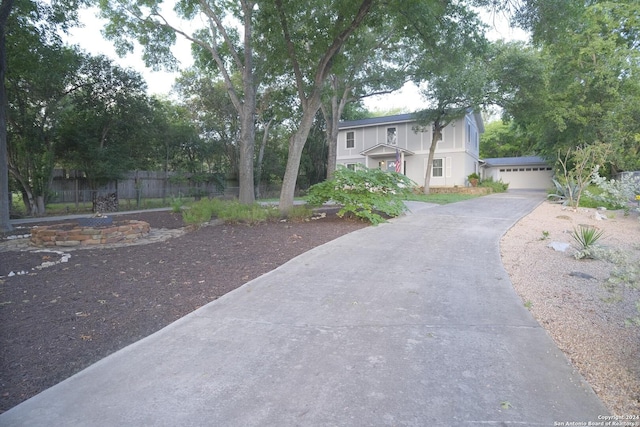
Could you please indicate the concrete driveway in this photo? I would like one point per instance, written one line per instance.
(411, 323)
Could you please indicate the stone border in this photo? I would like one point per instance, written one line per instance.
(121, 231)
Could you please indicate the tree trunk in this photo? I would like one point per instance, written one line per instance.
(310, 104)
(29, 202)
(27, 194)
(247, 113)
(332, 113)
(296, 145)
(245, 166)
(263, 144)
(332, 143)
(435, 137)
(5, 224)
(40, 205)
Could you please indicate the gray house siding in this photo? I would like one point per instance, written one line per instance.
(456, 154)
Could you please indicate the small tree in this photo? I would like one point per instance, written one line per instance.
(576, 168)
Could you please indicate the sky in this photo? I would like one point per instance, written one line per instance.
(407, 99)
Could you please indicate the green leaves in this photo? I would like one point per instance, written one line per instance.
(586, 237)
(366, 193)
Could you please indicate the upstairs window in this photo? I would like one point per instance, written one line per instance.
(437, 168)
(392, 136)
(351, 139)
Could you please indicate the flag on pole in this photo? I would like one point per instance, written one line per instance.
(398, 164)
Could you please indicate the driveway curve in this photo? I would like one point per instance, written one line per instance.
(411, 323)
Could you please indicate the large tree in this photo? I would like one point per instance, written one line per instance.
(5, 225)
(504, 139)
(376, 60)
(105, 126)
(456, 78)
(312, 35)
(36, 98)
(216, 118)
(591, 63)
(227, 39)
(27, 25)
(451, 95)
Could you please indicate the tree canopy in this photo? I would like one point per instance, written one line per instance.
(267, 68)
(585, 65)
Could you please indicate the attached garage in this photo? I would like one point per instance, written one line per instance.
(530, 173)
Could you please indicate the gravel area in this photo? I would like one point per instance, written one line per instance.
(575, 300)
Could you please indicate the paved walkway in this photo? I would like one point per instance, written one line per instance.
(411, 323)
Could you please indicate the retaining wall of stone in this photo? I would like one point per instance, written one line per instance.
(59, 235)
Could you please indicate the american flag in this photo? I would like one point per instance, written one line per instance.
(398, 164)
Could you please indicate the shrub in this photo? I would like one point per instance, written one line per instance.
(586, 237)
(615, 193)
(232, 211)
(626, 273)
(565, 192)
(367, 193)
(198, 213)
(176, 204)
(496, 186)
(300, 213)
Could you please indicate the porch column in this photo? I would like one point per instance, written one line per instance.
(402, 162)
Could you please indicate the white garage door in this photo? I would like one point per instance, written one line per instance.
(538, 178)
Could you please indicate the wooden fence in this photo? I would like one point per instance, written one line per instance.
(72, 187)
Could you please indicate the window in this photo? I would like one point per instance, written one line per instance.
(351, 166)
(351, 139)
(392, 136)
(437, 170)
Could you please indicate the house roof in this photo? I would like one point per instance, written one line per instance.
(398, 118)
(515, 161)
(377, 121)
(380, 150)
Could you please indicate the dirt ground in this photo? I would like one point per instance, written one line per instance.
(56, 321)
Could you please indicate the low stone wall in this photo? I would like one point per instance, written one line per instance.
(461, 190)
(69, 235)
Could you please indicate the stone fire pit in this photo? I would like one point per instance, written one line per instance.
(69, 235)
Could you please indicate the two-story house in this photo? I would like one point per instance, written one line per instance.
(377, 142)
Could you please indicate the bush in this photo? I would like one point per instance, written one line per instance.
(586, 237)
(367, 193)
(198, 213)
(233, 212)
(176, 204)
(496, 186)
(565, 192)
(300, 213)
(615, 193)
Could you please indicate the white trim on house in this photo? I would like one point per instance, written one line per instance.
(459, 146)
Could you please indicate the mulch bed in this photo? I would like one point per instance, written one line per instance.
(58, 320)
